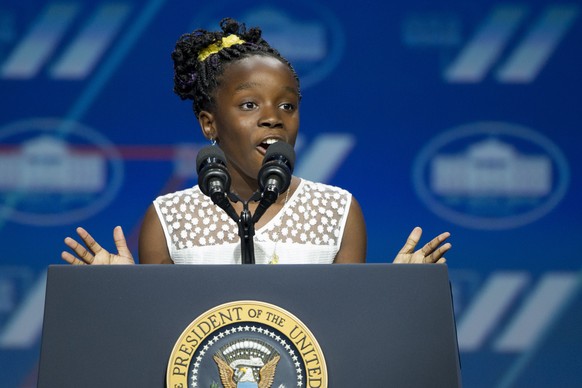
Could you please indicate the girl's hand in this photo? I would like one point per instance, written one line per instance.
(432, 252)
(96, 254)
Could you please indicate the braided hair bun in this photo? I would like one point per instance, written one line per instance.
(196, 76)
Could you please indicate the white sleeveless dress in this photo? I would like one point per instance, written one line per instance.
(307, 230)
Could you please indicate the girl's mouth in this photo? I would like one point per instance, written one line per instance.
(265, 144)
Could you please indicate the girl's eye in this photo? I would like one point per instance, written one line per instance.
(288, 106)
(248, 105)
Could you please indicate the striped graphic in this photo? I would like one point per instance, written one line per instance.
(46, 36)
(320, 162)
(24, 328)
(487, 46)
(527, 60)
(537, 313)
(542, 305)
(41, 41)
(488, 308)
(81, 56)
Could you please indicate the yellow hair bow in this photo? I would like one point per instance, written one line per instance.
(227, 41)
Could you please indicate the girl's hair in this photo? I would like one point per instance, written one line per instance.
(200, 58)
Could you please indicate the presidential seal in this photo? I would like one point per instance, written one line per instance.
(246, 344)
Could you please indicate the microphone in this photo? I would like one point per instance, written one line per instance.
(275, 175)
(213, 177)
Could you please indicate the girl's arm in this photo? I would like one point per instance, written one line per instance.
(152, 241)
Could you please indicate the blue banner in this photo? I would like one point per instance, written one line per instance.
(457, 116)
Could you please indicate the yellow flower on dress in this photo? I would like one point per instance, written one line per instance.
(274, 259)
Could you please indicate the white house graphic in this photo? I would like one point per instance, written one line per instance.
(46, 164)
(491, 168)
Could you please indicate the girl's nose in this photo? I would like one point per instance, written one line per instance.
(270, 118)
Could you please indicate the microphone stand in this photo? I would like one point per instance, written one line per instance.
(211, 163)
(246, 227)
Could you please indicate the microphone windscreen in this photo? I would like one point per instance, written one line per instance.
(209, 152)
(279, 149)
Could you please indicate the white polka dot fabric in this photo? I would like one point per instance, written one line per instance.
(308, 229)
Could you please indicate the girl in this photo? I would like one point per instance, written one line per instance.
(246, 97)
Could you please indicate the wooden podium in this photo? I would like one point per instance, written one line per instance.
(378, 325)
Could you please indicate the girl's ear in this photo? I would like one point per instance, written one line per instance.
(206, 120)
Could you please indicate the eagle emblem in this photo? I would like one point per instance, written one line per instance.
(247, 364)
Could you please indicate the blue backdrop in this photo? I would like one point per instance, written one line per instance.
(457, 116)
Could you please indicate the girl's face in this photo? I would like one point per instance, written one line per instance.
(256, 103)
